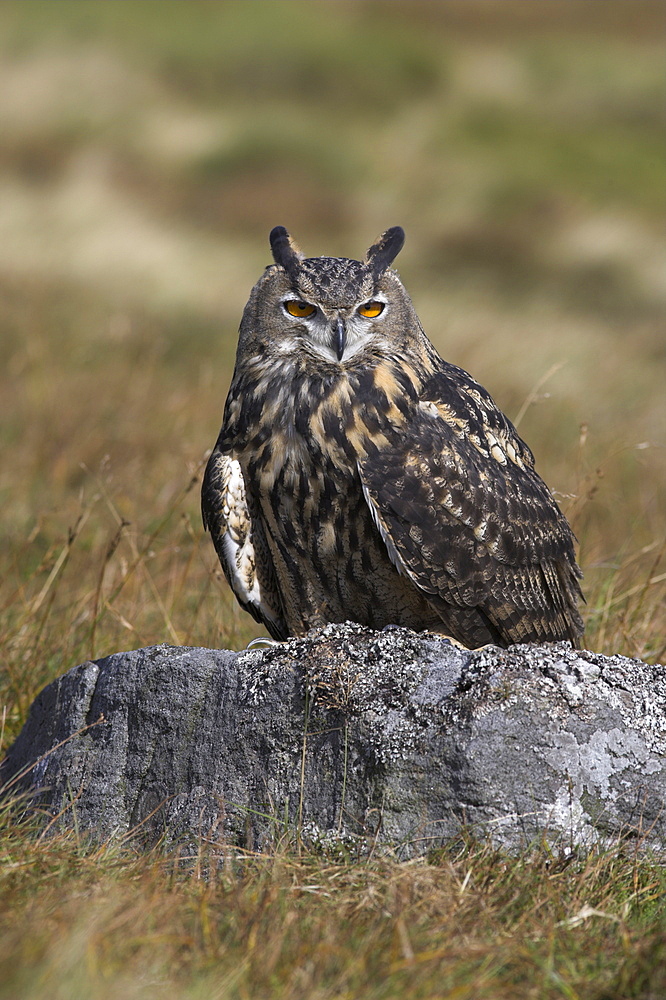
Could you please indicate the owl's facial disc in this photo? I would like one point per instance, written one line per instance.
(335, 334)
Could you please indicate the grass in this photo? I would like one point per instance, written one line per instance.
(143, 162)
(466, 922)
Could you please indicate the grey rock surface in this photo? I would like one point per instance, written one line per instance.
(373, 738)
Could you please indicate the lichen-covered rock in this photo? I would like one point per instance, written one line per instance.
(392, 737)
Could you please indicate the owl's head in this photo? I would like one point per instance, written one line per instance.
(331, 308)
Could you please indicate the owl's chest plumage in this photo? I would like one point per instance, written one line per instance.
(300, 442)
(291, 418)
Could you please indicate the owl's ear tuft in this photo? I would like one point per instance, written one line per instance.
(383, 252)
(285, 252)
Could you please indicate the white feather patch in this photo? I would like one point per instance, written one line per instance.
(237, 544)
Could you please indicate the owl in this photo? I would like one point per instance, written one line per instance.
(360, 477)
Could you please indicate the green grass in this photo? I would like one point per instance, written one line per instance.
(144, 159)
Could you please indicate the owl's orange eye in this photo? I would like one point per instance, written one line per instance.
(295, 307)
(371, 309)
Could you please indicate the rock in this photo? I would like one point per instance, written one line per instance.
(350, 735)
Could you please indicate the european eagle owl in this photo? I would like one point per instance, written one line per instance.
(360, 477)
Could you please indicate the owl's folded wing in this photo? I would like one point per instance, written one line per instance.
(240, 542)
(464, 515)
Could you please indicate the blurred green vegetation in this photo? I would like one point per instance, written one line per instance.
(146, 150)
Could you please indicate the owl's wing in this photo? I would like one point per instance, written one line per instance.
(240, 542)
(464, 515)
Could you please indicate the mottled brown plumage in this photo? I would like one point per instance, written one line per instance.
(359, 476)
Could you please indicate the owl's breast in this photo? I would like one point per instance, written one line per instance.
(293, 423)
(300, 441)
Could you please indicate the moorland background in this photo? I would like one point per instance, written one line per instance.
(146, 150)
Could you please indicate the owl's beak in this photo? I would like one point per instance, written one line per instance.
(339, 337)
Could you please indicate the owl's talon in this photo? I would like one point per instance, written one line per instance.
(262, 640)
